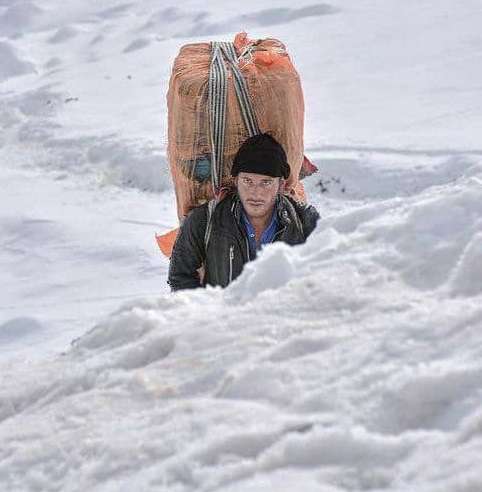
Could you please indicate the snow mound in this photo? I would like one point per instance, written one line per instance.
(63, 34)
(109, 159)
(164, 17)
(203, 24)
(467, 277)
(19, 18)
(275, 271)
(115, 11)
(12, 65)
(127, 164)
(137, 44)
(18, 328)
(274, 16)
(421, 238)
(379, 177)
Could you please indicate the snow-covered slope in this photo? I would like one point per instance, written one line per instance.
(352, 362)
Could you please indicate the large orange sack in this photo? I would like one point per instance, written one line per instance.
(275, 92)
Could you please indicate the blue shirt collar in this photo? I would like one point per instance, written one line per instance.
(268, 234)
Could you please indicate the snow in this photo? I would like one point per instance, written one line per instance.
(11, 64)
(352, 362)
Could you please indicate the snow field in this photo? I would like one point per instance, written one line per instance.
(345, 371)
(349, 363)
(59, 267)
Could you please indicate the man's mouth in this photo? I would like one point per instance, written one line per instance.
(255, 204)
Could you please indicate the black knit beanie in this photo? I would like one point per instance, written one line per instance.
(261, 154)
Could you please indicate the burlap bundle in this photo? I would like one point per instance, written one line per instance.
(275, 91)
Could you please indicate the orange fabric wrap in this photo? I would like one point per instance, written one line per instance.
(166, 241)
(275, 91)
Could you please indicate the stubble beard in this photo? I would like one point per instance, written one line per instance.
(258, 209)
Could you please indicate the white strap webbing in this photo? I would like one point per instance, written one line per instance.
(217, 99)
(207, 235)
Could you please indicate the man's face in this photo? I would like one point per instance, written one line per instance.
(258, 193)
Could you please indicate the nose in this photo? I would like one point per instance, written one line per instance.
(257, 191)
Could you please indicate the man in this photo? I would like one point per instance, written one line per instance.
(224, 238)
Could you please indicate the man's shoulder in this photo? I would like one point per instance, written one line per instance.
(196, 212)
(201, 213)
(196, 218)
(306, 214)
(301, 208)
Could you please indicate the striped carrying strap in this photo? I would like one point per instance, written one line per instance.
(222, 53)
(207, 235)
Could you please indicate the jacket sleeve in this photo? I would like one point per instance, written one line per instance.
(188, 253)
(309, 218)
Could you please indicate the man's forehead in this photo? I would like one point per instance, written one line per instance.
(255, 176)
